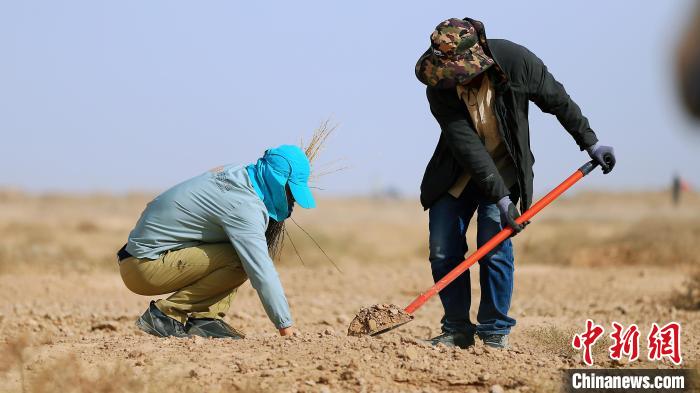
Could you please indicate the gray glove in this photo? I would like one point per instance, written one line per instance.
(509, 213)
(603, 155)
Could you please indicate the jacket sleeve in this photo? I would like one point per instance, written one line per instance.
(248, 239)
(551, 97)
(467, 147)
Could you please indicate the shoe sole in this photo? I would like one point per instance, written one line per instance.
(201, 333)
(463, 346)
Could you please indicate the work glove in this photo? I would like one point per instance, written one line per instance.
(603, 155)
(509, 213)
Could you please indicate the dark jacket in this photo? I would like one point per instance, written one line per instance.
(520, 77)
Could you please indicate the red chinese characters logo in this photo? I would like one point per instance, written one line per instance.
(663, 342)
(587, 339)
(625, 342)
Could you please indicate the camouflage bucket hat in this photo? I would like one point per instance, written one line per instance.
(456, 54)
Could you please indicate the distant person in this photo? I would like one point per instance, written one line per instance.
(678, 187)
(479, 91)
(676, 190)
(205, 237)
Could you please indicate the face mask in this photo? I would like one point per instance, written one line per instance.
(270, 186)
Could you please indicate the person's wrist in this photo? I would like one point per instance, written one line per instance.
(503, 203)
(591, 149)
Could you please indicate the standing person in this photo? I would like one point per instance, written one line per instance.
(205, 237)
(676, 190)
(479, 91)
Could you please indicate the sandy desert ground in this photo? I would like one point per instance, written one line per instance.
(67, 321)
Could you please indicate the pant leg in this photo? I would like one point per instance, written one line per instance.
(448, 221)
(495, 275)
(203, 279)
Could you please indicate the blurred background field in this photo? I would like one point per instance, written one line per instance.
(62, 232)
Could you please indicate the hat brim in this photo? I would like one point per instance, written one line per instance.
(302, 195)
(442, 72)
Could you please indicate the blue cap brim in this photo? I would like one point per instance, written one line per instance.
(302, 195)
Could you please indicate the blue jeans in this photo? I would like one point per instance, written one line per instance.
(449, 218)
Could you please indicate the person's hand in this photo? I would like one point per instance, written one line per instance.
(604, 156)
(288, 331)
(509, 213)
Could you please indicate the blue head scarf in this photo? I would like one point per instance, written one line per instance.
(279, 167)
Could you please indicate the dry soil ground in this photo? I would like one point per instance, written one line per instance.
(67, 321)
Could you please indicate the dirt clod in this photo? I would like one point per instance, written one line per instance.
(108, 326)
(377, 318)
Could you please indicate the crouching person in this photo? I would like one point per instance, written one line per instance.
(203, 238)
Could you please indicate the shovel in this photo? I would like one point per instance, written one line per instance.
(381, 318)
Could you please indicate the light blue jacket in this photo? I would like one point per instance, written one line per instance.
(216, 206)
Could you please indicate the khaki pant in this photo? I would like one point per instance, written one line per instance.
(204, 280)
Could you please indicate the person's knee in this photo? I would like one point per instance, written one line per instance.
(136, 282)
(444, 248)
(140, 289)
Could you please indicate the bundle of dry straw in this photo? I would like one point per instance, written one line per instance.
(275, 230)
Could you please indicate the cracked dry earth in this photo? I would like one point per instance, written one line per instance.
(72, 329)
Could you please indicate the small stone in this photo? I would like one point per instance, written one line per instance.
(347, 375)
(329, 332)
(323, 380)
(193, 374)
(310, 382)
(497, 389)
(484, 377)
(372, 324)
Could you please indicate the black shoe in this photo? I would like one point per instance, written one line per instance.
(462, 340)
(499, 341)
(212, 327)
(154, 322)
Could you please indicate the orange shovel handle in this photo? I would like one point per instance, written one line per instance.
(500, 237)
